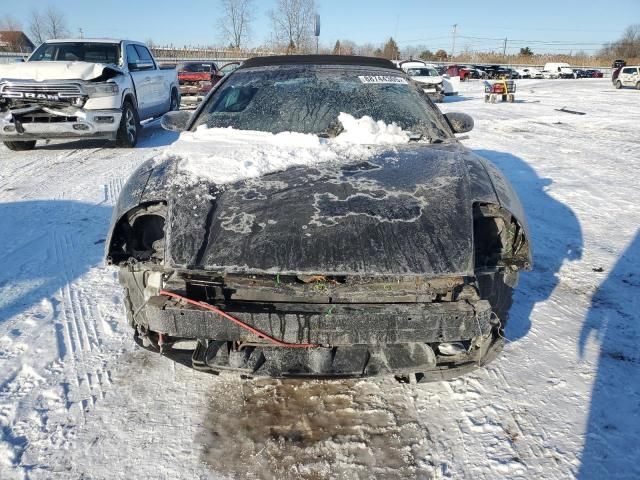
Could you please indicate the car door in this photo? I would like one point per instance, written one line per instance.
(159, 93)
(140, 75)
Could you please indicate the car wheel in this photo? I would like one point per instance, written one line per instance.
(618, 84)
(511, 98)
(175, 101)
(500, 295)
(21, 146)
(127, 135)
(638, 86)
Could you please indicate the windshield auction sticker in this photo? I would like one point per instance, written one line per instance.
(382, 79)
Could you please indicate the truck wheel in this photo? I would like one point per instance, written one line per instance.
(618, 84)
(21, 146)
(127, 135)
(175, 100)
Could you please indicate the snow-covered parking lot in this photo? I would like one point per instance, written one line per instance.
(79, 400)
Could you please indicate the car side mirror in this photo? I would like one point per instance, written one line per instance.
(175, 121)
(459, 122)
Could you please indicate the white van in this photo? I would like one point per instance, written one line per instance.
(558, 70)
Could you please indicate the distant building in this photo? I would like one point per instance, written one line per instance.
(14, 41)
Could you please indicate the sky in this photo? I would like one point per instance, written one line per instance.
(554, 26)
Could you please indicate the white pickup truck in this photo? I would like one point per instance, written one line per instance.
(84, 88)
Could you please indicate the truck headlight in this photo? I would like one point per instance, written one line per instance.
(102, 89)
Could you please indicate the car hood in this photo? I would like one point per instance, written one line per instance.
(40, 71)
(403, 211)
(428, 80)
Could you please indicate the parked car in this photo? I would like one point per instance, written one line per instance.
(557, 70)
(618, 64)
(399, 262)
(529, 72)
(459, 71)
(592, 73)
(628, 77)
(84, 88)
(580, 73)
(498, 72)
(473, 72)
(194, 72)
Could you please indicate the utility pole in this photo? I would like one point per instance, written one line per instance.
(504, 49)
(453, 44)
(317, 31)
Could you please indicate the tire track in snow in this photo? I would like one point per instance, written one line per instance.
(82, 337)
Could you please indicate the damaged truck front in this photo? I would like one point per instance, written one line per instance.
(98, 89)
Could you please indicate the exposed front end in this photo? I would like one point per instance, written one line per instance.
(32, 110)
(313, 326)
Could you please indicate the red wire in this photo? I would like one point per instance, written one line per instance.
(240, 323)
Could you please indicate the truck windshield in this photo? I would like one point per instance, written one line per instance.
(309, 98)
(77, 52)
(196, 68)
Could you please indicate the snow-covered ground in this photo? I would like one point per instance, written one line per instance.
(79, 400)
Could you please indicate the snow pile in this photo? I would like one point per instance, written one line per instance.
(227, 155)
(367, 131)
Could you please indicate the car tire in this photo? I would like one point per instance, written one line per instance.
(500, 295)
(175, 101)
(638, 86)
(129, 128)
(21, 146)
(618, 84)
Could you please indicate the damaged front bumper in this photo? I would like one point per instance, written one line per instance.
(42, 123)
(423, 341)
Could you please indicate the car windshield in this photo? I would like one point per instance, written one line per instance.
(422, 72)
(309, 98)
(77, 52)
(197, 68)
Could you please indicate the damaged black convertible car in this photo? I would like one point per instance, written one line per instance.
(399, 264)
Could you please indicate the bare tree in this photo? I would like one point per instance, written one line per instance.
(36, 27)
(628, 46)
(292, 22)
(235, 21)
(10, 24)
(56, 22)
(50, 24)
(391, 50)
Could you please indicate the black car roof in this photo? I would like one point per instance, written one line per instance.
(318, 60)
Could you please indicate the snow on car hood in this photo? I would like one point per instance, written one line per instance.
(40, 71)
(226, 155)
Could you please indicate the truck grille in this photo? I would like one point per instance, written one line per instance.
(61, 90)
